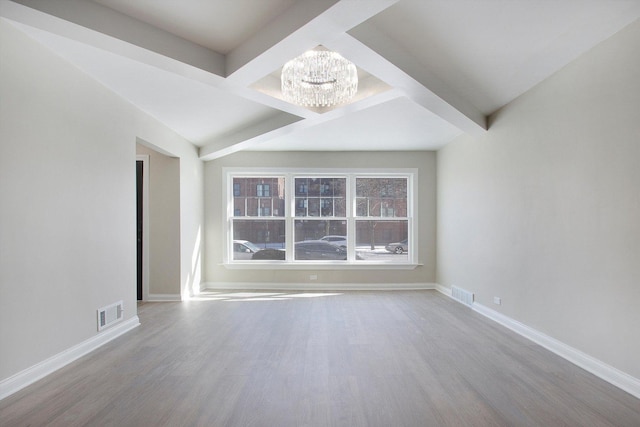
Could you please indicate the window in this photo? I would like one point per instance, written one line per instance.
(263, 190)
(381, 215)
(259, 217)
(322, 216)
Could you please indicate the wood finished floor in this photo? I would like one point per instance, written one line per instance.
(405, 358)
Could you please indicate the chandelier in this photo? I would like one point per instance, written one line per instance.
(319, 78)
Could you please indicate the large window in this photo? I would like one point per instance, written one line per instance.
(258, 219)
(320, 217)
(382, 220)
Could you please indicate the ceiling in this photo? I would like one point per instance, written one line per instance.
(207, 69)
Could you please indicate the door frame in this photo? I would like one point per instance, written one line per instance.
(144, 158)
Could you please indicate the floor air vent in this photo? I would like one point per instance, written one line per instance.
(461, 295)
(109, 315)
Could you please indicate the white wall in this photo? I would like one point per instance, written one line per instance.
(67, 202)
(425, 162)
(544, 211)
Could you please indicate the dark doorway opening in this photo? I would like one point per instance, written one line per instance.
(139, 222)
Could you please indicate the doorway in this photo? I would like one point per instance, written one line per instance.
(161, 260)
(142, 235)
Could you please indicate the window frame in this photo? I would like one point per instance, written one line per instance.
(350, 174)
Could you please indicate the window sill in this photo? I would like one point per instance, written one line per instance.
(318, 266)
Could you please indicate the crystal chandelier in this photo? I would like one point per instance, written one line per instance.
(319, 78)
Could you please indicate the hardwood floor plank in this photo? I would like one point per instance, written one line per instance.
(402, 358)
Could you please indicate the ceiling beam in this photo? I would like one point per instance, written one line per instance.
(305, 25)
(271, 129)
(99, 26)
(452, 109)
(257, 130)
(302, 27)
(294, 33)
(396, 67)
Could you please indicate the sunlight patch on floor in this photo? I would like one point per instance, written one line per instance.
(257, 296)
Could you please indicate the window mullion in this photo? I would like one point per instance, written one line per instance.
(351, 211)
(290, 199)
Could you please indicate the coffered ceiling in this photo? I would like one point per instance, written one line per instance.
(208, 69)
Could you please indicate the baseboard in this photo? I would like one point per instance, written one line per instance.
(30, 375)
(163, 298)
(259, 286)
(598, 368)
(443, 290)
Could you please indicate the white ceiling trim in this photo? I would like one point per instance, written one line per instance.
(471, 121)
(329, 29)
(449, 62)
(238, 142)
(317, 22)
(102, 27)
(267, 49)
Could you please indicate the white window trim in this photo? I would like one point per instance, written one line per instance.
(228, 173)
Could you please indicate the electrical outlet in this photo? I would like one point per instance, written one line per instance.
(313, 277)
(497, 300)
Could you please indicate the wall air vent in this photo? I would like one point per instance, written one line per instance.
(461, 295)
(109, 315)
